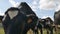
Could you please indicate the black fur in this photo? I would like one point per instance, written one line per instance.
(15, 25)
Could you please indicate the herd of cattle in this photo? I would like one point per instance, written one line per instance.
(18, 20)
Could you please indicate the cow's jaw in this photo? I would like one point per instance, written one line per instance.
(12, 14)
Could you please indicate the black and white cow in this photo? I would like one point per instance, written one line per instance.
(40, 25)
(13, 21)
(25, 9)
(16, 20)
(57, 19)
(49, 24)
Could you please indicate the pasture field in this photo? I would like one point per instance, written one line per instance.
(1, 30)
(29, 32)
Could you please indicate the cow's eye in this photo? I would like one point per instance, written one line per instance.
(29, 20)
(12, 14)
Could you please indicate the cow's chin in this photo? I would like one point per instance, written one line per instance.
(12, 14)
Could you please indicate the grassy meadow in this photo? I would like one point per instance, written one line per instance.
(29, 32)
(1, 31)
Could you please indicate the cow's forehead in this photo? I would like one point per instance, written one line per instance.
(12, 14)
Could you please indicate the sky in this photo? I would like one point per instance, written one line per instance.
(42, 8)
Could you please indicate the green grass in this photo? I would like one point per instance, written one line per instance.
(1, 31)
(29, 32)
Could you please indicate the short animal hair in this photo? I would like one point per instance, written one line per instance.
(25, 8)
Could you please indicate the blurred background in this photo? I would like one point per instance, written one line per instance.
(42, 8)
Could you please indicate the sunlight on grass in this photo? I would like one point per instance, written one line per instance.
(1, 31)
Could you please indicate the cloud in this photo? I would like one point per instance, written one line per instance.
(1, 13)
(15, 4)
(34, 5)
(41, 4)
(49, 4)
(58, 8)
(34, 2)
(34, 8)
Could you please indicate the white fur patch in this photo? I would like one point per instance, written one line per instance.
(12, 14)
(4, 17)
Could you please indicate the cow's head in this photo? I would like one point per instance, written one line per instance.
(49, 19)
(43, 20)
(12, 18)
(11, 12)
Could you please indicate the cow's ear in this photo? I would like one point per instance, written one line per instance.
(29, 20)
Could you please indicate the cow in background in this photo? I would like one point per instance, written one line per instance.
(1, 17)
(39, 25)
(42, 24)
(57, 19)
(13, 21)
(25, 9)
(49, 23)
